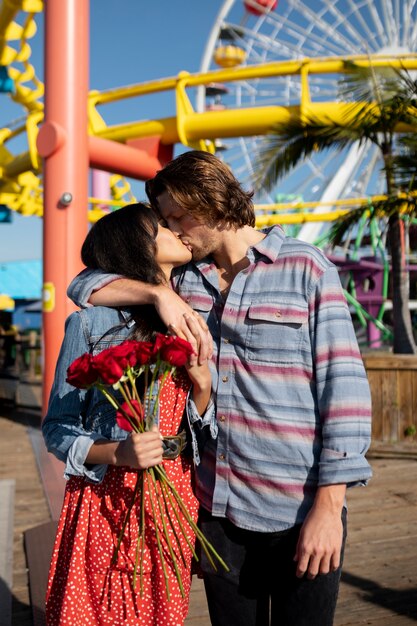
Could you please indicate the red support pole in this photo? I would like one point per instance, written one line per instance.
(63, 142)
(112, 156)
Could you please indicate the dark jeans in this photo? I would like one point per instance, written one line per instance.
(262, 588)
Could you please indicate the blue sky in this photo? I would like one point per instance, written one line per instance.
(132, 41)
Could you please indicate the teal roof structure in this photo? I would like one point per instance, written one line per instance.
(21, 279)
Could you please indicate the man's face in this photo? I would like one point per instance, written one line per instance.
(200, 239)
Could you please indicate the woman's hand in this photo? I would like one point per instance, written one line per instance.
(140, 450)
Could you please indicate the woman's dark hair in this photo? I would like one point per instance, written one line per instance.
(124, 242)
(205, 187)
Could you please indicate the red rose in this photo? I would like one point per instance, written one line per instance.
(131, 353)
(143, 352)
(157, 345)
(134, 419)
(175, 351)
(109, 369)
(125, 353)
(81, 373)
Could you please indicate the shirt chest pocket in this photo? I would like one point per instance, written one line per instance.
(202, 304)
(276, 332)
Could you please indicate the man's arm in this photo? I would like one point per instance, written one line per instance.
(344, 403)
(320, 541)
(82, 286)
(99, 289)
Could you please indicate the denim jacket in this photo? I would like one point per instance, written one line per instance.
(77, 418)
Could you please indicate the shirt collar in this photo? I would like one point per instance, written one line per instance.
(270, 245)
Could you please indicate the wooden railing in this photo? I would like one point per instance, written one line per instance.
(393, 382)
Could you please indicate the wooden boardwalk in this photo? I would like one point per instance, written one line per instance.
(379, 585)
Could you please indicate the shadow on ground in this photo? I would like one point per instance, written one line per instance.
(400, 601)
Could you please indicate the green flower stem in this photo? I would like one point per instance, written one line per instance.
(115, 404)
(162, 381)
(108, 396)
(121, 534)
(167, 494)
(136, 425)
(141, 539)
(158, 540)
(132, 380)
(128, 390)
(205, 544)
(168, 540)
(146, 383)
(142, 531)
(165, 497)
(150, 418)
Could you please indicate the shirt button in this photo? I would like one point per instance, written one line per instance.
(225, 379)
(222, 418)
(222, 457)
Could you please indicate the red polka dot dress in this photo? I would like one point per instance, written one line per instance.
(84, 587)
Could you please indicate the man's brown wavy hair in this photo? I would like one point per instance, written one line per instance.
(205, 187)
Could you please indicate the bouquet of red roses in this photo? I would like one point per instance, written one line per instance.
(117, 369)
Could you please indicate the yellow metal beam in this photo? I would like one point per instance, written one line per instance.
(235, 122)
(189, 126)
(305, 66)
(346, 202)
(192, 128)
(297, 218)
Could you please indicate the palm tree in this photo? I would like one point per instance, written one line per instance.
(381, 100)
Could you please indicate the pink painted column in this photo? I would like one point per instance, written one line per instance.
(63, 142)
(100, 187)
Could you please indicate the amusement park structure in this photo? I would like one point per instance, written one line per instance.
(277, 62)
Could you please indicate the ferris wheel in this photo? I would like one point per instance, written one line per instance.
(248, 32)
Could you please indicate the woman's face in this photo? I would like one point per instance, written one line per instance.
(170, 251)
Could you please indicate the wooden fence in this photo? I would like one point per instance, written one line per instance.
(393, 382)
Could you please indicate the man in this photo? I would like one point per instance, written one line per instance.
(293, 403)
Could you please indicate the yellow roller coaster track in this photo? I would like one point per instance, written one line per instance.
(20, 182)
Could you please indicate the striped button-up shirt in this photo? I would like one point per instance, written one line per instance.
(293, 401)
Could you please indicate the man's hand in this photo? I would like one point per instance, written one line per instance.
(320, 541)
(182, 320)
(177, 315)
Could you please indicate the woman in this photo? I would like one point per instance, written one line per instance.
(102, 460)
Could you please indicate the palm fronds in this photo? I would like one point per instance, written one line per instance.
(402, 205)
(290, 143)
(380, 100)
